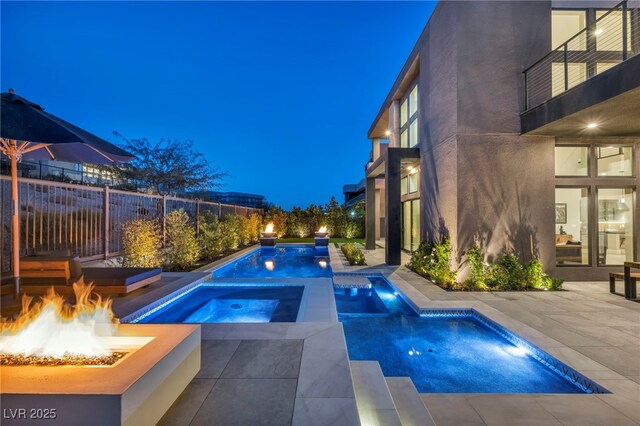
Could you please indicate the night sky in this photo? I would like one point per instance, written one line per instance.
(280, 95)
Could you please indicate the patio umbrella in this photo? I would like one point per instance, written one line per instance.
(27, 131)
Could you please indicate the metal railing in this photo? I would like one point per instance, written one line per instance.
(46, 171)
(86, 220)
(611, 39)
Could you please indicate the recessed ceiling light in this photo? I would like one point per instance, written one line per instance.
(387, 133)
(592, 125)
(598, 31)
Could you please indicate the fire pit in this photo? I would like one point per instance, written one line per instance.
(268, 238)
(322, 237)
(77, 365)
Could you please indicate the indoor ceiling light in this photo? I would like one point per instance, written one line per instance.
(592, 125)
(598, 31)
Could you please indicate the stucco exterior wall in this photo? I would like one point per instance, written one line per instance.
(438, 121)
(505, 196)
(497, 40)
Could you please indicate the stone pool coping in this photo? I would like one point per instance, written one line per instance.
(317, 303)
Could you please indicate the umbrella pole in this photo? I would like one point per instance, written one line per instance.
(13, 154)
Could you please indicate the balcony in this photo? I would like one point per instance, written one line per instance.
(594, 72)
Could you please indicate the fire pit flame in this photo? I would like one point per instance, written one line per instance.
(53, 329)
(269, 228)
(322, 230)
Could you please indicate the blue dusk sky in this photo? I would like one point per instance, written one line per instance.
(280, 95)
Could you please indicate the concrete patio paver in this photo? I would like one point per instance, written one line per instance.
(248, 402)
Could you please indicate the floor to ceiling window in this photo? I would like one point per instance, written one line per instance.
(409, 119)
(587, 52)
(410, 210)
(595, 201)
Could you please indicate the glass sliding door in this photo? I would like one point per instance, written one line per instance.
(572, 226)
(411, 225)
(615, 225)
(406, 225)
(415, 224)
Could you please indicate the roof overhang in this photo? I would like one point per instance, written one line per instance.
(611, 100)
(406, 157)
(406, 77)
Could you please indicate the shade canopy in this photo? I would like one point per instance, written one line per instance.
(22, 120)
(27, 131)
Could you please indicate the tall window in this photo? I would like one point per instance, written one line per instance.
(615, 160)
(409, 119)
(572, 226)
(609, 31)
(566, 24)
(595, 202)
(615, 225)
(411, 224)
(572, 160)
(576, 74)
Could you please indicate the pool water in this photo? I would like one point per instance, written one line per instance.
(441, 354)
(232, 304)
(283, 261)
(379, 299)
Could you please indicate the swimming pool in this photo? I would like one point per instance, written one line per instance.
(208, 304)
(283, 261)
(453, 351)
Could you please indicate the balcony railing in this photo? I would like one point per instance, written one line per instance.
(609, 40)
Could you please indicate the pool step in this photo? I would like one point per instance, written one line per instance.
(374, 401)
(351, 281)
(409, 405)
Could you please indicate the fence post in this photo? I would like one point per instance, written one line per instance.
(219, 210)
(107, 233)
(625, 11)
(164, 220)
(566, 68)
(197, 217)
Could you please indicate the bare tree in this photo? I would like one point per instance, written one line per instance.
(169, 166)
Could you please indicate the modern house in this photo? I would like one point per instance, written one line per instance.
(236, 198)
(516, 124)
(353, 193)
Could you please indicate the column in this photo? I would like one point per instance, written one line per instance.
(393, 240)
(375, 149)
(394, 124)
(378, 211)
(370, 209)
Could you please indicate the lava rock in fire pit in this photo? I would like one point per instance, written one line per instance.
(16, 360)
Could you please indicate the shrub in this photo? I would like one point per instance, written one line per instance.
(279, 219)
(141, 243)
(507, 273)
(182, 250)
(537, 279)
(210, 238)
(433, 261)
(353, 254)
(477, 269)
(352, 229)
(254, 223)
(230, 230)
(244, 233)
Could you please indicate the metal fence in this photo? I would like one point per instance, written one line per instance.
(610, 39)
(47, 171)
(86, 220)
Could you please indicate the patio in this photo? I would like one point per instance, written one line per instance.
(299, 373)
